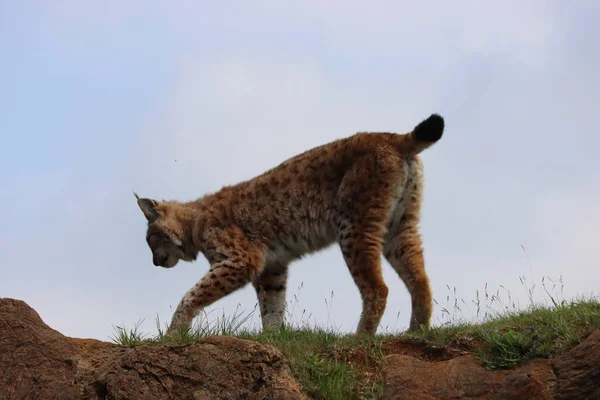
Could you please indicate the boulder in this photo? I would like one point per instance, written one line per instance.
(578, 371)
(39, 362)
(573, 375)
(35, 360)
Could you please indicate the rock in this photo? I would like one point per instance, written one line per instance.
(38, 362)
(535, 380)
(464, 378)
(578, 371)
(213, 368)
(574, 375)
(459, 378)
(35, 360)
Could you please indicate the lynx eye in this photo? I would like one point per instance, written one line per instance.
(157, 239)
(153, 239)
(177, 243)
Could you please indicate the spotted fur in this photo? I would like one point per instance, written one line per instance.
(363, 192)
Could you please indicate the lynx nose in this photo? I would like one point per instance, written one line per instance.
(159, 260)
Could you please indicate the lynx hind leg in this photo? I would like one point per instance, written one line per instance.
(270, 288)
(237, 264)
(365, 200)
(365, 268)
(403, 249)
(405, 254)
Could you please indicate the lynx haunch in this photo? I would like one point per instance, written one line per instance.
(362, 192)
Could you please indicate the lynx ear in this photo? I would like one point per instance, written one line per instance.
(148, 207)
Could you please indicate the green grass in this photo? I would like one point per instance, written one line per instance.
(325, 363)
(508, 340)
(332, 365)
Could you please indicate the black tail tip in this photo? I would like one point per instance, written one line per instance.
(430, 130)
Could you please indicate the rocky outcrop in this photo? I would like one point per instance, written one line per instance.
(36, 362)
(214, 368)
(574, 375)
(578, 371)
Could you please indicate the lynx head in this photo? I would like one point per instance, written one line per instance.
(166, 233)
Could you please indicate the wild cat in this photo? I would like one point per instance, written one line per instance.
(363, 192)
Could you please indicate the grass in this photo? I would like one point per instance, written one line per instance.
(508, 340)
(332, 365)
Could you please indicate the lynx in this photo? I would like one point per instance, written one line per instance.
(363, 192)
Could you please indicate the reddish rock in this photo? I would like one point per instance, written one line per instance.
(213, 368)
(38, 362)
(458, 378)
(574, 375)
(578, 371)
(535, 380)
(35, 360)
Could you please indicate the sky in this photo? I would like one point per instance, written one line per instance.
(175, 100)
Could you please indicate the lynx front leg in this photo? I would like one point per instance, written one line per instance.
(236, 267)
(270, 288)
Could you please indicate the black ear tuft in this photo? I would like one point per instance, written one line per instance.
(148, 207)
(429, 130)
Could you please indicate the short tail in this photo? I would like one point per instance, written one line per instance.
(424, 135)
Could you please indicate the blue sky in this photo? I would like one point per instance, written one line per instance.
(176, 100)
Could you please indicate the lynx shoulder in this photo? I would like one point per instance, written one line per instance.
(362, 192)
